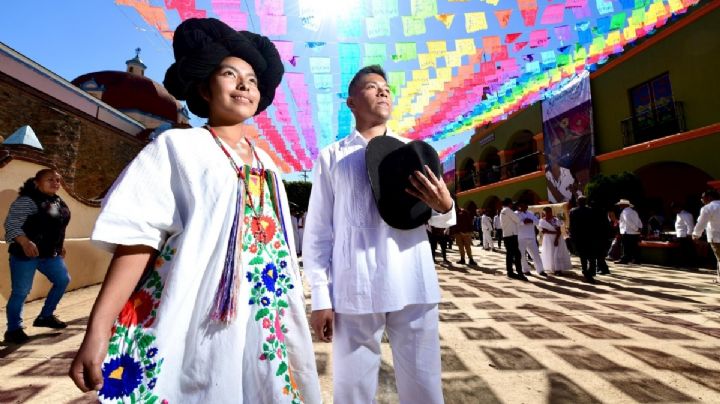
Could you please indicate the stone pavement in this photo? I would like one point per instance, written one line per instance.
(643, 334)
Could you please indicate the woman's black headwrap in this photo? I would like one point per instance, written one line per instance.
(200, 44)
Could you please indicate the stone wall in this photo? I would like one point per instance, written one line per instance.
(88, 153)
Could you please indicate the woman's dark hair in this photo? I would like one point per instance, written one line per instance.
(29, 187)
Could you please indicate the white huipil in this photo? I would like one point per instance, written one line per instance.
(179, 196)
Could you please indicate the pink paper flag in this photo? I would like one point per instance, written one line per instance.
(529, 15)
(553, 14)
(273, 24)
(538, 38)
(285, 49)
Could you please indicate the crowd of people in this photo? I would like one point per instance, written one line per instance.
(203, 298)
(593, 234)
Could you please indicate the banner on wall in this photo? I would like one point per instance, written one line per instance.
(568, 139)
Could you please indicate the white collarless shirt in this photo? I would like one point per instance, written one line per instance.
(630, 221)
(356, 263)
(709, 221)
(509, 222)
(527, 230)
(684, 224)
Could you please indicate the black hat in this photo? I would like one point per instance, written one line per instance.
(390, 162)
(200, 44)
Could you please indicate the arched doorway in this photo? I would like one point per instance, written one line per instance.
(528, 196)
(471, 207)
(524, 154)
(467, 175)
(493, 204)
(490, 161)
(669, 182)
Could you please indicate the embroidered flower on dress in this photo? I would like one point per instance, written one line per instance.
(265, 301)
(137, 309)
(152, 352)
(253, 248)
(122, 376)
(266, 323)
(263, 228)
(269, 276)
(276, 244)
(283, 264)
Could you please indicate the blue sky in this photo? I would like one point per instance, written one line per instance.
(75, 37)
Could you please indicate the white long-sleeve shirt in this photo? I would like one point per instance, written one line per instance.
(509, 222)
(630, 221)
(709, 221)
(356, 263)
(527, 230)
(684, 224)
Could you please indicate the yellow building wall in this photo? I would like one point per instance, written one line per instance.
(86, 263)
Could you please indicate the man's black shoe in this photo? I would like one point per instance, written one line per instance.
(16, 336)
(512, 275)
(543, 274)
(523, 278)
(49, 322)
(472, 263)
(461, 262)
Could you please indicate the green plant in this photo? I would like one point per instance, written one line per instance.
(605, 190)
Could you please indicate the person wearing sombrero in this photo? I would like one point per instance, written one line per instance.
(367, 254)
(630, 226)
(203, 300)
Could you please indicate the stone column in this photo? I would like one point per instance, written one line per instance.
(505, 157)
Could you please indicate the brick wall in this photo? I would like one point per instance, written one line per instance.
(88, 153)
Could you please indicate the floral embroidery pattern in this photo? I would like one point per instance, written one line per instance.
(132, 365)
(267, 275)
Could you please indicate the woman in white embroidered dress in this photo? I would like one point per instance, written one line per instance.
(554, 255)
(203, 300)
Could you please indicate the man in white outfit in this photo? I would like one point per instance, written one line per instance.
(510, 223)
(630, 226)
(709, 222)
(367, 277)
(527, 240)
(486, 226)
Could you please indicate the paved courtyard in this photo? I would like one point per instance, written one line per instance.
(643, 334)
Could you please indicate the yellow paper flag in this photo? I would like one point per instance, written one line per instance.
(465, 46)
(437, 48)
(426, 60)
(475, 22)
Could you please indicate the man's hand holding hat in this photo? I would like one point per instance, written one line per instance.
(431, 190)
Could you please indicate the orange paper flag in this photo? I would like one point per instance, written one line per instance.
(446, 19)
(503, 17)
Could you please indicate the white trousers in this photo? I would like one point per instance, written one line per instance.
(487, 239)
(415, 343)
(530, 245)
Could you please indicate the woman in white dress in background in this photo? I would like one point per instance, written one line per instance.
(554, 255)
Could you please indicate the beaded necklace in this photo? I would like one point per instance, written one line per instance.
(242, 176)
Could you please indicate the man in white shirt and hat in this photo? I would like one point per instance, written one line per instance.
(709, 222)
(366, 276)
(630, 226)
